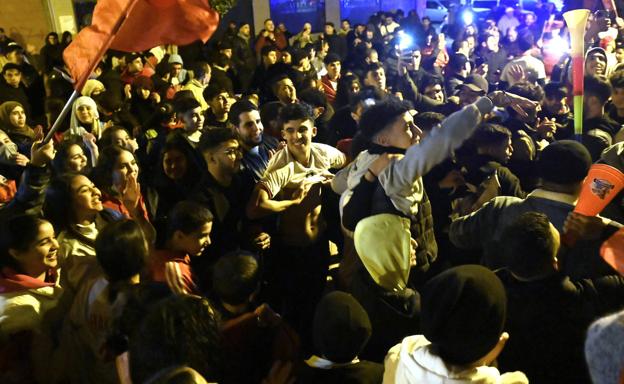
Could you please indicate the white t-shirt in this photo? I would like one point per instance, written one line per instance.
(284, 171)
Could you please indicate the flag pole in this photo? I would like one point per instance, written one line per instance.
(85, 76)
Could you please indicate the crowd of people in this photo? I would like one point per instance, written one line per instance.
(383, 202)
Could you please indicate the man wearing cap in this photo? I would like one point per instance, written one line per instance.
(13, 54)
(473, 87)
(134, 68)
(330, 80)
(557, 196)
(555, 109)
(457, 70)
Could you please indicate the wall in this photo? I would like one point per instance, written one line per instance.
(29, 21)
(25, 21)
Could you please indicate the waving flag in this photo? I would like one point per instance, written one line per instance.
(137, 25)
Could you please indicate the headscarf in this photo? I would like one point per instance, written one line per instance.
(5, 121)
(341, 327)
(383, 244)
(463, 313)
(75, 126)
(90, 86)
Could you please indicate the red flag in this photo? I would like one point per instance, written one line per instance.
(137, 25)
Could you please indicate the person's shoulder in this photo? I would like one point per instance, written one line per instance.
(269, 142)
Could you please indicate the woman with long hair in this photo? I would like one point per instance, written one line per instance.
(121, 251)
(74, 205)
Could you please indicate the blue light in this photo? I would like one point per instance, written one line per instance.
(405, 41)
(468, 17)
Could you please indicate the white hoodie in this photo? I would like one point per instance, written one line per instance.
(413, 362)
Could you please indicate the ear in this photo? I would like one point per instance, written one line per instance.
(314, 130)
(13, 253)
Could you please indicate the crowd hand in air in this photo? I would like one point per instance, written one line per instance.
(131, 193)
(519, 104)
(517, 73)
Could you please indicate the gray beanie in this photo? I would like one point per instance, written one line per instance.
(175, 58)
(604, 349)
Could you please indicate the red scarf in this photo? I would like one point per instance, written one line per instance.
(10, 281)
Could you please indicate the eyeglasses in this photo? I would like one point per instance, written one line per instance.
(232, 151)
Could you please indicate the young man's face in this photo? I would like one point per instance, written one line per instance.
(174, 164)
(135, 66)
(13, 77)
(269, 26)
(298, 134)
(227, 157)
(556, 105)
(492, 42)
(220, 104)
(619, 55)
(15, 57)
(195, 242)
(402, 133)
(596, 65)
(435, 92)
(414, 64)
(617, 97)
(270, 58)
(285, 91)
(227, 52)
(250, 128)
(333, 70)
(503, 151)
(176, 68)
(193, 120)
(245, 30)
(345, 25)
(376, 78)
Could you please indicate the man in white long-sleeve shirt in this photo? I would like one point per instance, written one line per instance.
(389, 128)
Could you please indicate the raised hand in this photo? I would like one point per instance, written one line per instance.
(42, 154)
(131, 193)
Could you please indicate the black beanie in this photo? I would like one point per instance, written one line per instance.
(463, 313)
(341, 327)
(564, 162)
